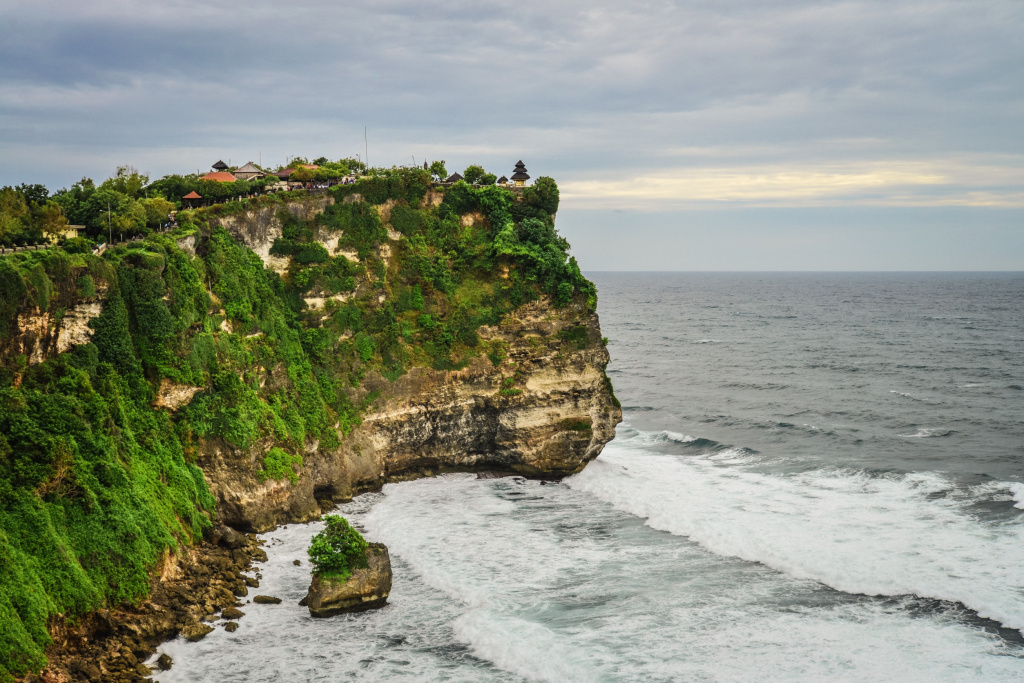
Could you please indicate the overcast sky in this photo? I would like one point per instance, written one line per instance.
(716, 134)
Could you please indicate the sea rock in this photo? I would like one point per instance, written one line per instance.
(365, 589)
(195, 630)
(164, 662)
(266, 600)
(232, 613)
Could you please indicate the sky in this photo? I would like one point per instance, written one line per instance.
(701, 135)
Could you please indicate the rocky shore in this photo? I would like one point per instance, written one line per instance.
(201, 585)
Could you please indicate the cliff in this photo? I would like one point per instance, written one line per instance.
(273, 357)
(431, 421)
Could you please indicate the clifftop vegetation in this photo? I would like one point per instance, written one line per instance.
(96, 484)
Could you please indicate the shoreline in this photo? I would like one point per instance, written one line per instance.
(187, 589)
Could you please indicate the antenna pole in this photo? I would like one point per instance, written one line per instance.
(366, 142)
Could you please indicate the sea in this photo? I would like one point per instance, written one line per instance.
(818, 477)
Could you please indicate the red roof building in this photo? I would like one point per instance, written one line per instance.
(220, 177)
(192, 195)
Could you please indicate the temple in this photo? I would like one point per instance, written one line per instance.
(520, 176)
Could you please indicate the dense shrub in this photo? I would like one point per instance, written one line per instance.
(277, 464)
(337, 549)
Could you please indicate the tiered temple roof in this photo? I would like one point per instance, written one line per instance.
(520, 172)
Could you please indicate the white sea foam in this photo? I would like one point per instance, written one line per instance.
(910, 396)
(848, 530)
(1017, 489)
(523, 647)
(924, 433)
(508, 580)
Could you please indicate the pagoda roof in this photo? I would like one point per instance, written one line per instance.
(454, 178)
(192, 195)
(502, 179)
(220, 165)
(220, 177)
(520, 171)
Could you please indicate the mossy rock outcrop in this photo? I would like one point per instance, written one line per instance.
(363, 590)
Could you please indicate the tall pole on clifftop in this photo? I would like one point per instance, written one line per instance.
(366, 143)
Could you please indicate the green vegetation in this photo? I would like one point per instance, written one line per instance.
(338, 549)
(577, 335)
(28, 215)
(279, 465)
(95, 483)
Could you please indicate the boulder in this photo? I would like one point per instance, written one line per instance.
(195, 631)
(227, 537)
(164, 662)
(365, 589)
(266, 600)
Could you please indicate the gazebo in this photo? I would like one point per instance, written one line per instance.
(502, 180)
(191, 199)
(520, 176)
(220, 166)
(454, 178)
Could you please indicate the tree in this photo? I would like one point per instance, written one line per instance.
(51, 220)
(487, 179)
(438, 171)
(34, 194)
(543, 194)
(473, 173)
(14, 215)
(96, 208)
(338, 549)
(127, 181)
(157, 210)
(72, 202)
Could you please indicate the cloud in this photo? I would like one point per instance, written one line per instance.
(871, 183)
(670, 102)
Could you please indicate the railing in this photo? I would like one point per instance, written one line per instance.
(27, 247)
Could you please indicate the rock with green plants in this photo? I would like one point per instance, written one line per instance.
(349, 574)
(266, 358)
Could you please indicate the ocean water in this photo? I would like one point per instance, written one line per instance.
(819, 477)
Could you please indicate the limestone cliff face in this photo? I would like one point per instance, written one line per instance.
(258, 228)
(556, 418)
(41, 335)
(545, 409)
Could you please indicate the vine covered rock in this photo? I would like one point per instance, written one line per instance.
(365, 588)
